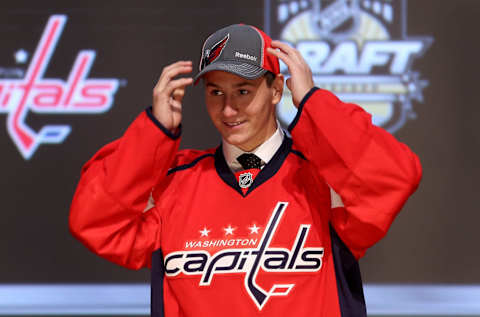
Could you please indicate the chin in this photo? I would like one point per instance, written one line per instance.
(236, 140)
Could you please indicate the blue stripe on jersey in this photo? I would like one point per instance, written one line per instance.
(300, 109)
(191, 164)
(171, 135)
(298, 153)
(156, 284)
(349, 279)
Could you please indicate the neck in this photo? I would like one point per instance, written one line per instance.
(261, 139)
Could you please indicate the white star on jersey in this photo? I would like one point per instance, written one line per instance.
(204, 232)
(253, 229)
(229, 230)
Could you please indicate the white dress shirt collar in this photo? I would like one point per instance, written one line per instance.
(265, 151)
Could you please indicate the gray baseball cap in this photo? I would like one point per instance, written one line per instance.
(238, 49)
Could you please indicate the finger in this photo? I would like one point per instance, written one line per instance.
(289, 83)
(178, 94)
(167, 90)
(281, 45)
(178, 84)
(169, 74)
(175, 71)
(287, 49)
(175, 105)
(283, 57)
(176, 64)
(167, 69)
(295, 61)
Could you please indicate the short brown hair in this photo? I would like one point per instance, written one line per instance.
(270, 77)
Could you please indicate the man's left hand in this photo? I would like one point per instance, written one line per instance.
(301, 80)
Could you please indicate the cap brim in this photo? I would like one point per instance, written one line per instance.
(247, 71)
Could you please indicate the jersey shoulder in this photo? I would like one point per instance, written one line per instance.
(188, 158)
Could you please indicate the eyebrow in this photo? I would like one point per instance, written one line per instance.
(241, 84)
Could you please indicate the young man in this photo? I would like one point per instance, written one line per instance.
(229, 233)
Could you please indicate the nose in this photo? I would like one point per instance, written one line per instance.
(229, 107)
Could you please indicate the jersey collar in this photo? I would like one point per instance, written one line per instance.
(269, 170)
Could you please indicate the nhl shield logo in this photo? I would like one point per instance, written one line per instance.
(245, 180)
(359, 50)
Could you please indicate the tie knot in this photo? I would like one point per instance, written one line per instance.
(249, 160)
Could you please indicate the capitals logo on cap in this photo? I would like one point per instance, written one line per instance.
(211, 54)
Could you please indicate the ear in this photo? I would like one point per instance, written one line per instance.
(277, 88)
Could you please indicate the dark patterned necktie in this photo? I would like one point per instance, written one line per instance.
(249, 160)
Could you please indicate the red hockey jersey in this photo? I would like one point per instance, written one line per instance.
(283, 248)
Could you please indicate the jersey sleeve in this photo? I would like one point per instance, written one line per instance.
(373, 173)
(108, 212)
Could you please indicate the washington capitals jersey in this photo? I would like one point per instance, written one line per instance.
(282, 247)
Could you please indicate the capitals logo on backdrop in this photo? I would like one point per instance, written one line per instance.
(30, 91)
(247, 257)
(358, 49)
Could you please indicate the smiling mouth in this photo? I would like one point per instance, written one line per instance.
(233, 124)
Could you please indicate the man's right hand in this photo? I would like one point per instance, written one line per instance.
(168, 94)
